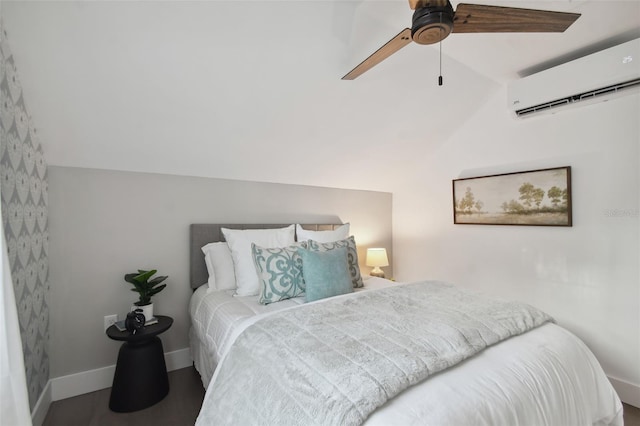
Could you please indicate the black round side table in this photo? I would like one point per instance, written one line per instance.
(141, 377)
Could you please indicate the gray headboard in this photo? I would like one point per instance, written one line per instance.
(203, 233)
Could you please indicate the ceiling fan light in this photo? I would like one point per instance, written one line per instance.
(432, 24)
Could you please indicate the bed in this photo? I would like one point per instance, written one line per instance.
(541, 374)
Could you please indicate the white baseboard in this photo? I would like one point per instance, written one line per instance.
(178, 359)
(42, 406)
(101, 378)
(80, 383)
(628, 392)
(93, 380)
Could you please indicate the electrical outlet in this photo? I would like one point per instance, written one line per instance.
(109, 320)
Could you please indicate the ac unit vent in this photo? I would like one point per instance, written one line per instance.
(615, 89)
(607, 74)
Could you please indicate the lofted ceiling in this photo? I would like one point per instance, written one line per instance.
(251, 90)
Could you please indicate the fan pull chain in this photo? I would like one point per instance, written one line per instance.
(440, 76)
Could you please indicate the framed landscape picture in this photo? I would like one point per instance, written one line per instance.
(535, 198)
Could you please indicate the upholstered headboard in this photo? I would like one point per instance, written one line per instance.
(202, 234)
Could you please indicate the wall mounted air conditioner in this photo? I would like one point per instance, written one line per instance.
(597, 77)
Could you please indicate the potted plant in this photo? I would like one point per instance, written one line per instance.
(146, 288)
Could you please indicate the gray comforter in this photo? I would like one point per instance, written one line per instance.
(336, 361)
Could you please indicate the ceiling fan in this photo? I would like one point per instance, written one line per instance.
(434, 20)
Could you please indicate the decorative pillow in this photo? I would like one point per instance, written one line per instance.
(352, 256)
(239, 241)
(340, 233)
(279, 271)
(325, 273)
(219, 262)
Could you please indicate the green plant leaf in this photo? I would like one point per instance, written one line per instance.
(144, 286)
(156, 290)
(156, 281)
(129, 278)
(144, 276)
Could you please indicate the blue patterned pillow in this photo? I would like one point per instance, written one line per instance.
(326, 274)
(279, 271)
(352, 256)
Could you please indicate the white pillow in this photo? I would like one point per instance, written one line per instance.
(211, 282)
(239, 241)
(340, 233)
(219, 262)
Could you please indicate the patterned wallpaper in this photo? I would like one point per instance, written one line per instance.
(24, 216)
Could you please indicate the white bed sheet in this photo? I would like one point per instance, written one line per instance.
(544, 377)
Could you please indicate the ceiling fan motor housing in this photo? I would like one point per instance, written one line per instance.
(432, 24)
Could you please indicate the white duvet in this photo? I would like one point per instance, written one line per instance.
(546, 376)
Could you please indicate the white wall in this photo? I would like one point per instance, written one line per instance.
(104, 224)
(586, 276)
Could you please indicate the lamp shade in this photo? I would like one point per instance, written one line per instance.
(377, 257)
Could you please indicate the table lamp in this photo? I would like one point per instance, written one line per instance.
(377, 257)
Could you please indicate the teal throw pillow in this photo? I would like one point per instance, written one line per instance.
(326, 273)
(279, 272)
(352, 256)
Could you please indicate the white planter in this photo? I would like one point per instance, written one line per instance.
(147, 310)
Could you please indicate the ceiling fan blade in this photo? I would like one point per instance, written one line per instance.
(391, 47)
(414, 4)
(476, 18)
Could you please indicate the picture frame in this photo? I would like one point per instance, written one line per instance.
(527, 198)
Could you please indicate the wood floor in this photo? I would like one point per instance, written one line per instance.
(631, 415)
(179, 408)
